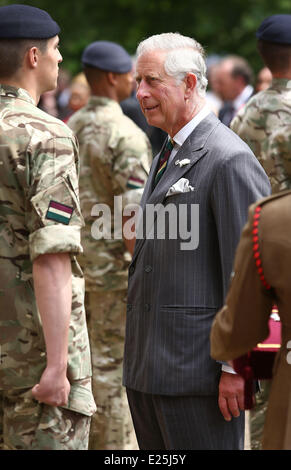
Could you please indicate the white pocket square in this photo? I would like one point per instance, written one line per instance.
(181, 186)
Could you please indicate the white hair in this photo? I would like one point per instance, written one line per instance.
(184, 55)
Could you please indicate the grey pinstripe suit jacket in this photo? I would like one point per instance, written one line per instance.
(174, 294)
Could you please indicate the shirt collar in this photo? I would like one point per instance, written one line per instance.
(243, 97)
(184, 133)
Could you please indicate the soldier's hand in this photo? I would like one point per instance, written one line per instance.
(231, 395)
(53, 388)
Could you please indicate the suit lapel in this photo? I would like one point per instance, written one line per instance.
(151, 178)
(194, 148)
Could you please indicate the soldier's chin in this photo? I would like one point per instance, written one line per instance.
(52, 85)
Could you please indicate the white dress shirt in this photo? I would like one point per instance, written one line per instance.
(242, 98)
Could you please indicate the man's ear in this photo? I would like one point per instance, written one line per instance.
(190, 82)
(111, 77)
(32, 56)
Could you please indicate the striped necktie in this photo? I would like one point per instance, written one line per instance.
(163, 160)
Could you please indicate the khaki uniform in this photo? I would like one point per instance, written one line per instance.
(243, 322)
(115, 158)
(264, 124)
(39, 213)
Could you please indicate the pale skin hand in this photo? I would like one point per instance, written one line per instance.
(53, 291)
(53, 388)
(231, 395)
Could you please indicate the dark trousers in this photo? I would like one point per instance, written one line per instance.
(183, 422)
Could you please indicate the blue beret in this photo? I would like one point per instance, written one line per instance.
(108, 56)
(26, 22)
(276, 28)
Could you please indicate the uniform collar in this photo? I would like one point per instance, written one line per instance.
(281, 83)
(103, 101)
(13, 92)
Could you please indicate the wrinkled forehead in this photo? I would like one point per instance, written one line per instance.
(151, 62)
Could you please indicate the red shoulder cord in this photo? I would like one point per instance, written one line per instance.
(256, 248)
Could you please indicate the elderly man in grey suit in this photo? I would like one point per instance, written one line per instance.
(200, 187)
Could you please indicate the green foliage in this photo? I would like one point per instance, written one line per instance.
(222, 27)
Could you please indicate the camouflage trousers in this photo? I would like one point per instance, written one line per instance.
(26, 424)
(111, 427)
(258, 415)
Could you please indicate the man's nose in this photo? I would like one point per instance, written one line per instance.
(142, 90)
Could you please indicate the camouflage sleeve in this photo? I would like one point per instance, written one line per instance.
(237, 120)
(131, 167)
(279, 152)
(53, 211)
(234, 125)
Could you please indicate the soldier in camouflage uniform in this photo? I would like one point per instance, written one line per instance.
(265, 125)
(115, 158)
(270, 110)
(46, 400)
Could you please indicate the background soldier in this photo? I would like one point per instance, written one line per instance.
(115, 158)
(270, 110)
(243, 322)
(265, 124)
(42, 317)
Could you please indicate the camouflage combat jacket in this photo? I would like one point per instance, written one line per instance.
(39, 213)
(115, 156)
(265, 125)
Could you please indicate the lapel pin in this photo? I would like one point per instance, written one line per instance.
(184, 162)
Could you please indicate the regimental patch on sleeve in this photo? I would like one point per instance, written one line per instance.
(59, 212)
(135, 183)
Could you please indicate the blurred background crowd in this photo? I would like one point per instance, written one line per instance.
(231, 82)
(226, 30)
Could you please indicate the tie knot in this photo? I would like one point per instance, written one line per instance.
(170, 144)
